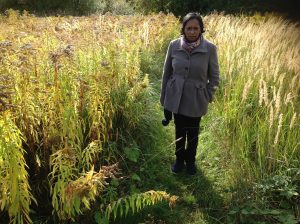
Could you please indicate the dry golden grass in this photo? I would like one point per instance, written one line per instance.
(259, 98)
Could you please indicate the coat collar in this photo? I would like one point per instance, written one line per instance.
(201, 48)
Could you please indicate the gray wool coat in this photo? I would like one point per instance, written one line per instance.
(189, 80)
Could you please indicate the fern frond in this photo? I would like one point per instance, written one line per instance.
(136, 202)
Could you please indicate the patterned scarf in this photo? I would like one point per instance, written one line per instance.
(190, 46)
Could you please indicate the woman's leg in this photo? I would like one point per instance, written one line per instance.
(192, 143)
(180, 138)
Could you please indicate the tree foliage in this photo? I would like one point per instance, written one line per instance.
(78, 7)
(179, 7)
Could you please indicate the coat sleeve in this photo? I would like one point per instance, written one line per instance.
(167, 72)
(213, 73)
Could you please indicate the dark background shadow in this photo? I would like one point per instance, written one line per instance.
(287, 8)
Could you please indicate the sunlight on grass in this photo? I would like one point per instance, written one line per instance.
(78, 94)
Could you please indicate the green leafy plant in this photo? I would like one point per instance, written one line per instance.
(275, 199)
(132, 153)
(15, 195)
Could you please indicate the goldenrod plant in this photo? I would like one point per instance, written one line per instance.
(15, 195)
(70, 86)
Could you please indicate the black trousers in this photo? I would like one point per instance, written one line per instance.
(186, 131)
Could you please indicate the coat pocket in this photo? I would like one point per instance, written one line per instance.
(206, 94)
(201, 91)
(171, 81)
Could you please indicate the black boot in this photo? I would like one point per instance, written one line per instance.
(178, 166)
(191, 168)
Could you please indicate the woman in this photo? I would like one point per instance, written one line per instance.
(190, 78)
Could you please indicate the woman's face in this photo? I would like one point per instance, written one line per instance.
(192, 30)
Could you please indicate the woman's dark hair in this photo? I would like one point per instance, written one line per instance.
(190, 16)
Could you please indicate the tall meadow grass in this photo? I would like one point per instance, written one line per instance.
(258, 100)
